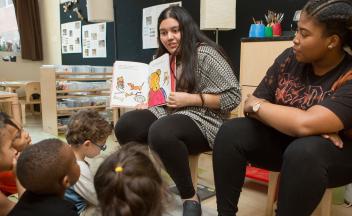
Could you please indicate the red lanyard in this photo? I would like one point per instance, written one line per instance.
(173, 72)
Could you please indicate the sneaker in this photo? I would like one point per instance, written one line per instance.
(192, 208)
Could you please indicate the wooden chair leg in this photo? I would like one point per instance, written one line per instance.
(324, 207)
(193, 165)
(272, 192)
(23, 112)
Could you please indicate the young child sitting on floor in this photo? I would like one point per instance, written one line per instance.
(10, 137)
(46, 169)
(87, 132)
(128, 183)
(21, 140)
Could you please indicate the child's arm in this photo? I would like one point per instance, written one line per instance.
(6, 205)
(84, 186)
(20, 188)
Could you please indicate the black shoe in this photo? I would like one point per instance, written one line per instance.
(192, 208)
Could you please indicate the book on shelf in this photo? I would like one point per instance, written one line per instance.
(135, 83)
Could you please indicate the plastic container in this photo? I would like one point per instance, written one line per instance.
(256, 30)
(277, 31)
(268, 31)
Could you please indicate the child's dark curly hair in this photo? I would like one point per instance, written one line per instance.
(87, 125)
(128, 183)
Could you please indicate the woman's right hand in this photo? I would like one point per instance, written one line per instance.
(334, 138)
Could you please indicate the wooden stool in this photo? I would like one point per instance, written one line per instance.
(193, 166)
(323, 209)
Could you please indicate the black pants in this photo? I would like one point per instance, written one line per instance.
(173, 138)
(308, 165)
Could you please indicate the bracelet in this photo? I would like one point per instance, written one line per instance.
(201, 98)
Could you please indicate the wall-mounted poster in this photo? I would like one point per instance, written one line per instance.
(150, 24)
(71, 37)
(94, 40)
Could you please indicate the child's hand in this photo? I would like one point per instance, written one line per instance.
(14, 163)
(22, 140)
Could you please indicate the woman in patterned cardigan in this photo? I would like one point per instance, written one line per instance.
(206, 91)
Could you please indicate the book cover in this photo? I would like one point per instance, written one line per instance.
(135, 83)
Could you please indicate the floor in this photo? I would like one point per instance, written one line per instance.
(252, 200)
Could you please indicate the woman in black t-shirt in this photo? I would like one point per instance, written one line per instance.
(298, 119)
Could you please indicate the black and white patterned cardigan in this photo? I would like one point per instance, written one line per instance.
(215, 76)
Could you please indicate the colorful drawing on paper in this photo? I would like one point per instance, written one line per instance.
(157, 94)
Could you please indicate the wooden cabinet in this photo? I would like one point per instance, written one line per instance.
(256, 58)
(63, 93)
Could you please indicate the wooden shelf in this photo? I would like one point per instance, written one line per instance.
(64, 114)
(81, 90)
(79, 108)
(49, 78)
(83, 79)
(82, 73)
(78, 96)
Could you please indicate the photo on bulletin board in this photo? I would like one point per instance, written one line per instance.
(94, 40)
(71, 37)
(149, 26)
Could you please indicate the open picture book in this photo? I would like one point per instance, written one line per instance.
(136, 83)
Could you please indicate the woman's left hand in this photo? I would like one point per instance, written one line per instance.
(334, 138)
(179, 99)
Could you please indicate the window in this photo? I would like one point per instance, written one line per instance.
(3, 3)
(9, 36)
(9, 2)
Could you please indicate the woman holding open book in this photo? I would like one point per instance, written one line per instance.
(206, 91)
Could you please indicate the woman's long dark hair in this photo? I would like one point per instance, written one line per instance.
(191, 38)
(336, 15)
(135, 188)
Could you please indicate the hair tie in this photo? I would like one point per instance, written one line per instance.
(118, 169)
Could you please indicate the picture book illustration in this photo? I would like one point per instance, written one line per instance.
(136, 83)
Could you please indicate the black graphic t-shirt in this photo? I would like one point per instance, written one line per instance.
(291, 83)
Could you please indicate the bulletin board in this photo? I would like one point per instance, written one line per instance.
(77, 58)
(128, 27)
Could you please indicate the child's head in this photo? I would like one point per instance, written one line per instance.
(88, 130)
(128, 183)
(48, 167)
(8, 134)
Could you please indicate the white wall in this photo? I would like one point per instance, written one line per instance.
(29, 70)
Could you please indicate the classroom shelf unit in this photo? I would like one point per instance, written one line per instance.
(63, 93)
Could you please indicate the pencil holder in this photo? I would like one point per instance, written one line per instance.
(277, 29)
(256, 30)
(268, 31)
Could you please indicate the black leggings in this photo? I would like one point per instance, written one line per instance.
(308, 165)
(172, 137)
